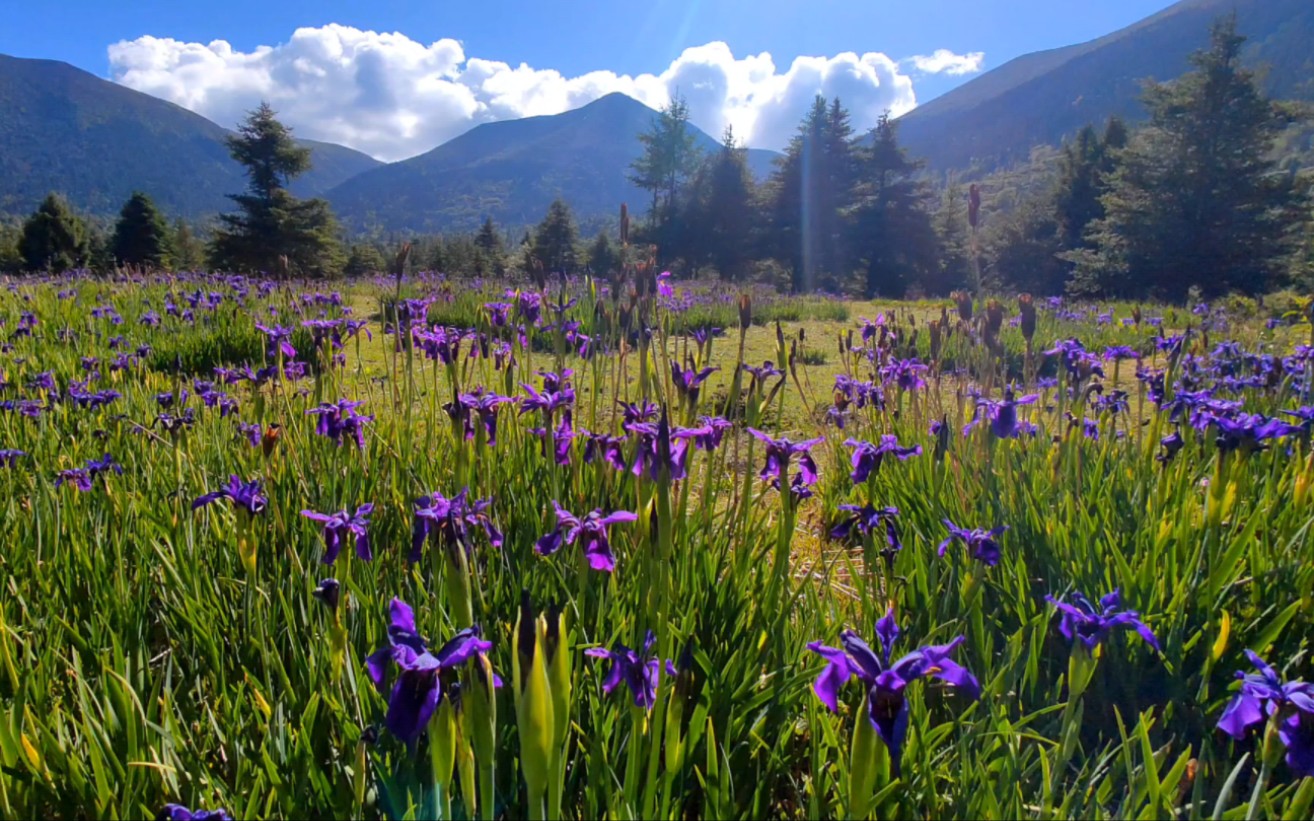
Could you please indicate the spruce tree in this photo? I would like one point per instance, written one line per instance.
(670, 157)
(954, 268)
(188, 250)
(272, 226)
(1197, 199)
(54, 239)
(893, 233)
(555, 239)
(811, 191)
(603, 257)
(720, 212)
(364, 258)
(141, 236)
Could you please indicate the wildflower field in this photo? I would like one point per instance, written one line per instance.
(421, 548)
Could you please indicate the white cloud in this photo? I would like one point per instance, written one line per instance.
(944, 61)
(392, 97)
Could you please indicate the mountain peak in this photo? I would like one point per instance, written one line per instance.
(1045, 97)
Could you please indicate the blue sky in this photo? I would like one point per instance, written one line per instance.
(626, 39)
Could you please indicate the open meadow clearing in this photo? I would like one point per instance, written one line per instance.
(422, 548)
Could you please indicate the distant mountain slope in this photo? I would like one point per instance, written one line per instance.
(1044, 97)
(63, 129)
(512, 170)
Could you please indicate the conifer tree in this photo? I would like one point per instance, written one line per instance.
(1197, 199)
(141, 236)
(271, 225)
(54, 239)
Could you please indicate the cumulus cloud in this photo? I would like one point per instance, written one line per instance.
(393, 97)
(944, 61)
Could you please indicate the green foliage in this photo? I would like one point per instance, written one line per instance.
(555, 241)
(10, 259)
(893, 235)
(96, 141)
(1195, 200)
(54, 239)
(669, 156)
(141, 236)
(188, 250)
(604, 258)
(719, 213)
(274, 232)
(809, 192)
(364, 258)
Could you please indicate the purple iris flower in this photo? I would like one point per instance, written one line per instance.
(1264, 695)
(707, 435)
(248, 496)
(280, 338)
(689, 381)
(328, 591)
(656, 448)
(498, 313)
(591, 530)
(484, 405)
(905, 373)
(339, 420)
(9, 457)
(344, 525)
(867, 457)
(609, 447)
(778, 456)
(448, 523)
(253, 433)
(664, 287)
(556, 443)
(638, 412)
(1003, 413)
(1172, 443)
(886, 681)
(1248, 432)
(177, 812)
(83, 478)
(866, 519)
(423, 678)
(1081, 621)
(981, 542)
(764, 372)
(639, 670)
(1306, 416)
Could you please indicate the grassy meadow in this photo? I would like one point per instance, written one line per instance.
(293, 550)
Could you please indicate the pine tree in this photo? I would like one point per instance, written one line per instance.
(492, 256)
(670, 156)
(555, 239)
(364, 258)
(811, 191)
(272, 225)
(603, 257)
(188, 251)
(54, 239)
(141, 236)
(1196, 199)
(893, 232)
(720, 211)
(10, 260)
(954, 268)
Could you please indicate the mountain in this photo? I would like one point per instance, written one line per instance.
(63, 129)
(1044, 97)
(512, 170)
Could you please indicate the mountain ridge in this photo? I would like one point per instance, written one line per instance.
(64, 129)
(1043, 97)
(511, 170)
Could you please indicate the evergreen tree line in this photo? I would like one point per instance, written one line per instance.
(1195, 198)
